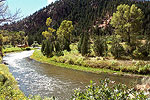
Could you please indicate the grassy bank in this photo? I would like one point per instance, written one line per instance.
(13, 49)
(8, 86)
(75, 61)
(16, 49)
(9, 89)
(58, 61)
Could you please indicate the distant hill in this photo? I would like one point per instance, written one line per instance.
(85, 15)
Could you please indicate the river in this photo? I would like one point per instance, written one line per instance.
(47, 80)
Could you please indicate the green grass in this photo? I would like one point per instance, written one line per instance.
(74, 60)
(13, 49)
(8, 85)
(16, 49)
(38, 56)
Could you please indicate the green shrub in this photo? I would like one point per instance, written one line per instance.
(47, 48)
(100, 47)
(35, 44)
(69, 61)
(130, 49)
(143, 51)
(106, 92)
(79, 61)
(59, 53)
(117, 49)
(8, 86)
(28, 48)
(43, 46)
(144, 69)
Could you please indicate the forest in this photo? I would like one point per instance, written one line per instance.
(83, 13)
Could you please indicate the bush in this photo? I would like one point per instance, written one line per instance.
(43, 46)
(100, 47)
(28, 48)
(144, 50)
(106, 92)
(8, 86)
(144, 69)
(35, 44)
(60, 53)
(117, 49)
(79, 61)
(47, 48)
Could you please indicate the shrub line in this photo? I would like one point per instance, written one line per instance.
(37, 56)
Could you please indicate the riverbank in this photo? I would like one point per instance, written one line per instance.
(8, 85)
(100, 86)
(83, 64)
(9, 89)
(15, 49)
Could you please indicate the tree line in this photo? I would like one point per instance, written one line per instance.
(126, 38)
(84, 14)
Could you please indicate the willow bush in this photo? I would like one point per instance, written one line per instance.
(107, 91)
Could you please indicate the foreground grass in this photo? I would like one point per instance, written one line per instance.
(9, 89)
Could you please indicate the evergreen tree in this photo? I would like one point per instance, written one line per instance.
(48, 50)
(85, 47)
(117, 49)
(80, 42)
(100, 46)
(43, 46)
(1, 44)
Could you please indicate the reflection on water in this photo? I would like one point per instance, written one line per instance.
(47, 80)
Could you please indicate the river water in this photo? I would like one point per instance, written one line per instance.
(47, 80)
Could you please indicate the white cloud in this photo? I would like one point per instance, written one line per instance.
(50, 1)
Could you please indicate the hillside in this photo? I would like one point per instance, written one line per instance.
(85, 14)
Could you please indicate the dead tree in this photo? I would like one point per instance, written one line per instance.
(5, 15)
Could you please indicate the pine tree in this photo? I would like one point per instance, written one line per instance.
(43, 46)
(85, 47)
(80, 43)
(100, 46)
(48, 50)
(1, 44)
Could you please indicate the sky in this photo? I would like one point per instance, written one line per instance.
(27, 7)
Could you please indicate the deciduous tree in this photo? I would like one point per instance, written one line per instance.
(64, 31)
(127, 21)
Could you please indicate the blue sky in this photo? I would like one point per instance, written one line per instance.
(27, 7)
